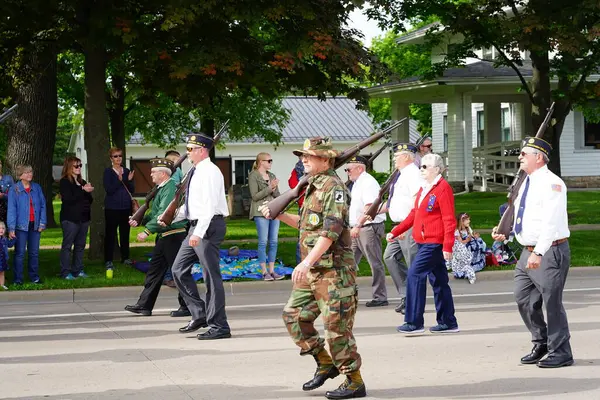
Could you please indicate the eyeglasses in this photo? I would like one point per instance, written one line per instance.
(428, 145)
(523, 154)
(424, 166)
(117, 156)
(77, 165)
(190, 149)
(269, 161)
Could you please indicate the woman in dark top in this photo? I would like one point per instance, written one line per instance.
(6, 181)
(75, 216)
(118, 183)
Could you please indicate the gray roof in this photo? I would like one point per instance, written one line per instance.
(336, 117)
(416, 33)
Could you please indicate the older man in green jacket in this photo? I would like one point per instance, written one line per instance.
(169, 237)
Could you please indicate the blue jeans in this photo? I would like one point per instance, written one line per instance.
(268, 230)
(31, 240)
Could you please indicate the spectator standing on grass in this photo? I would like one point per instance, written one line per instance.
(75, 216)
(26, 220)
(263, 187)
(118, 183)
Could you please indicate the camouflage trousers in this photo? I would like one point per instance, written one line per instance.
(332, 293)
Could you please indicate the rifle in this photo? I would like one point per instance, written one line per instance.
(505, 226)
(139, 214)
(7, 113)
(375, 155)
(169, 214)
(373, 209)
(281, 203)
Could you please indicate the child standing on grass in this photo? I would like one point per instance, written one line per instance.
(5, 243)
(468, 253)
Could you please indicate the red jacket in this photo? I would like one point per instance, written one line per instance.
(434, 220)
(292, 182)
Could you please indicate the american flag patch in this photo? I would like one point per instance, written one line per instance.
(556, 188)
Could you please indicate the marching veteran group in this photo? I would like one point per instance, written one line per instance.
(334, 233)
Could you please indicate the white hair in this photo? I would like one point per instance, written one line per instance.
(435, 160)
(166, 170)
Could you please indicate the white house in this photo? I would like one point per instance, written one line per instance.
(479, 117)
(336, 117)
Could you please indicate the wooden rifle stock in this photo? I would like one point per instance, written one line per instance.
(169, 214)
(281, 203)
(505, 226)
(139, 214)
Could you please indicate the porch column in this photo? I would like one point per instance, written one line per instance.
(460, 142)
(526, 123)
(491, 116)
(400, 110)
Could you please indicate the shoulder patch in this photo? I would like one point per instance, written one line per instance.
(556, 188)
(338, 195)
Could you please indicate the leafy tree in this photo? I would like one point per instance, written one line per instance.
(562, 39)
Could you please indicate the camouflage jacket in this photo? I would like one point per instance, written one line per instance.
(325, 213)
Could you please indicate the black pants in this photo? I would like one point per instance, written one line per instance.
(116, 219)
(164, 254)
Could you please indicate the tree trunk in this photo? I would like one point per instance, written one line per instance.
(31, 132)
(96, 140)
(208, 128)
(117, 114)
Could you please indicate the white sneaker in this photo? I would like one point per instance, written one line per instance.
(472, 280)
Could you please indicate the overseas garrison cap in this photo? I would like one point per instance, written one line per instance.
(318, 146)
(358, 160)
(404, 147)
(199, 139)
(538, 144)
(161, 163)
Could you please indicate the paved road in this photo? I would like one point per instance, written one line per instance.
(91, 349)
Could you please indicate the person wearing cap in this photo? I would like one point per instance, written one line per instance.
(400, 253)
(205, 209)
(177, 176)
(366, 234)
(168, 241)
(541, 226)
(433, 222)
(424, 145)
(324, 281)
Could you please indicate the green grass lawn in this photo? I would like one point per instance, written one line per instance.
(582, 246)
(483, 208)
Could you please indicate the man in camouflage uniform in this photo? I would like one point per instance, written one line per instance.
(324, 282)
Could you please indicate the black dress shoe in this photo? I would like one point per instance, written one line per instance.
(401, 308)
(377, 303)
(193, 325)
(137, 309)
(555, 362)
(347, 390)
(538, 351)
(182, 312)
(321, 375)
(213, 334)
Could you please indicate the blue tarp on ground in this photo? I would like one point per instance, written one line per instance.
(244, 265)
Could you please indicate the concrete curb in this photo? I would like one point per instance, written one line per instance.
(232, 288)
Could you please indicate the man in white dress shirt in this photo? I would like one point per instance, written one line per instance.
(541, 226)
(205, 208)
(366, 240)
(400, 253)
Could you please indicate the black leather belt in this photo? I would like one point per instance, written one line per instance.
(194, 222)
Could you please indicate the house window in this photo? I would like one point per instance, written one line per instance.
(591, 132)
(505, 124)
(242, 170)
(480, 128)
(445, 131)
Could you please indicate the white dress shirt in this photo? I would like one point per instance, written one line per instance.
(206, 197)
(405, 190)
(545, 216)
(427, 187)
(364, 191)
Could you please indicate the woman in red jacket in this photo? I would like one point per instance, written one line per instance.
(433, 223)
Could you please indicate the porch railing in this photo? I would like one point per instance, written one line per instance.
(494, 164)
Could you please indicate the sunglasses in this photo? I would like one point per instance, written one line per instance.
(269, 161)
(77, 165)
(425, 166)
(523, 154)
(190, 149)
(117, 156)
(428, 145)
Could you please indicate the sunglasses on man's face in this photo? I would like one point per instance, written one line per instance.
(117, 156)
